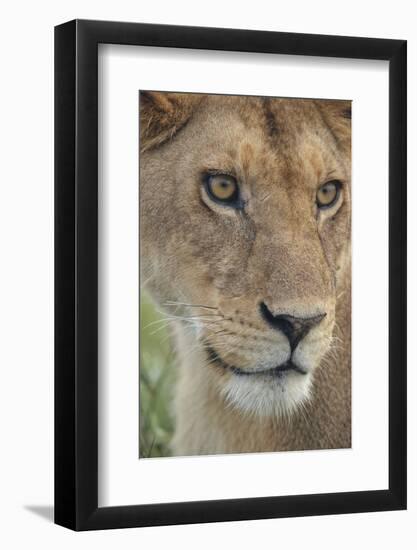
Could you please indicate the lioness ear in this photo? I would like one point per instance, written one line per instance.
(338, 115)
(162, 114)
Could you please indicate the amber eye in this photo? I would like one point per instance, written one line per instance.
(328, 194)
(222, 188)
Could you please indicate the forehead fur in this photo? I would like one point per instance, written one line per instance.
(163, 115)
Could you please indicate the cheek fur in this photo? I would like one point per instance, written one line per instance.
(333, 236)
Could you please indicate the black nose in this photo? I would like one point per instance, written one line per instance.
(294, 328)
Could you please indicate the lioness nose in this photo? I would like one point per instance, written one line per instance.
(294, 328)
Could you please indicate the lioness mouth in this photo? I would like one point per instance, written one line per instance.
(274, 371)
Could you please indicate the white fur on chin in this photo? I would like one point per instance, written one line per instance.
(268, 395)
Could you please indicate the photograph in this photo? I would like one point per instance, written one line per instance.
(245, 274)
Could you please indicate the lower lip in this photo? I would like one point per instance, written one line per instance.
(277, 371)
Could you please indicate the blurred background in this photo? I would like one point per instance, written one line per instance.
(157, 378)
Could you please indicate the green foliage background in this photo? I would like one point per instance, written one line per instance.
(157, 378)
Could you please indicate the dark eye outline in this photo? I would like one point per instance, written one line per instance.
(235, 201)
(338, 184)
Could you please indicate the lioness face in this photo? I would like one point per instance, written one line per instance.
(245, 231)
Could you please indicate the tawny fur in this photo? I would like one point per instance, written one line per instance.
(211, 266)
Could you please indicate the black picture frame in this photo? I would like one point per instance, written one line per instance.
(76, 272)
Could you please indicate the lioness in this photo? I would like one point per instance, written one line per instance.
(245, 209)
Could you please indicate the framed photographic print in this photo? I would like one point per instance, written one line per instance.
(230, 275)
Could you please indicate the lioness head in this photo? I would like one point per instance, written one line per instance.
(245, 233)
